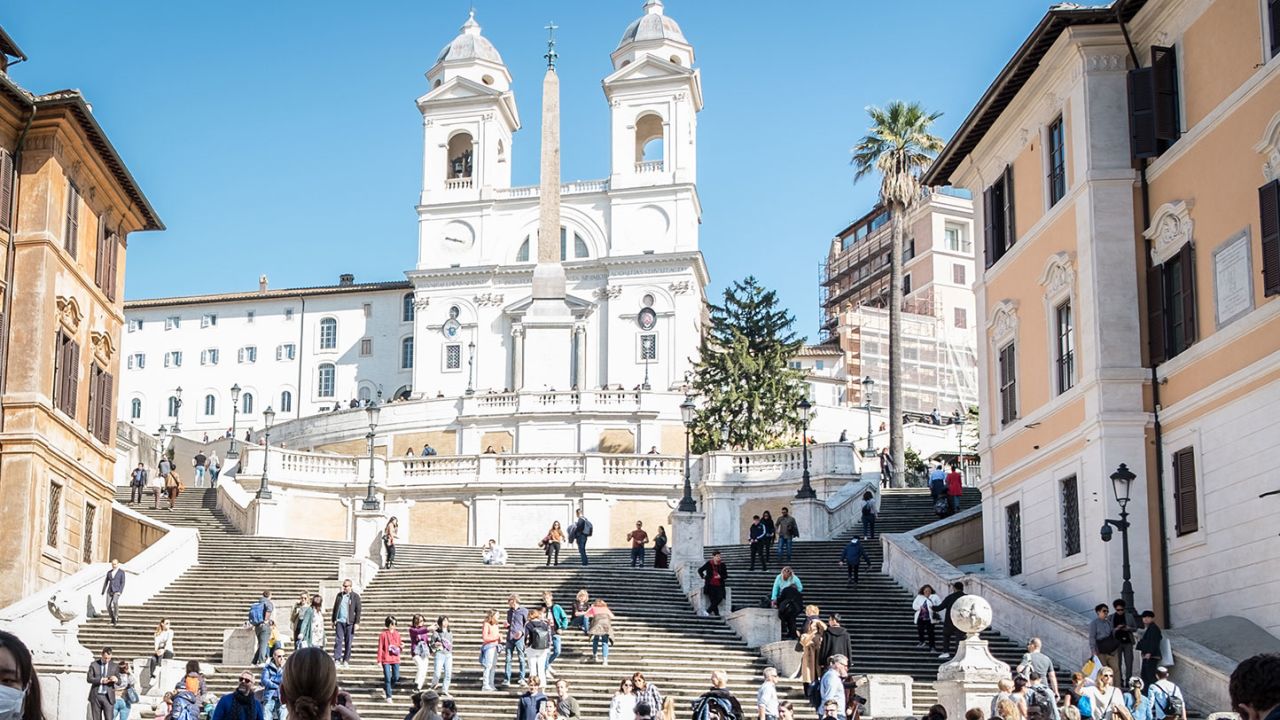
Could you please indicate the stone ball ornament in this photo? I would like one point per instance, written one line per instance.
(62, 607)
(971, 614)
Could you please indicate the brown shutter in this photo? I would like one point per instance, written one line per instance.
(1164, 64)
(988, 227)
(58, 368)
(105, 395)
(1187, 255)
(70, 242)
(91, 417)
(113, 266)
(1142, 121)
(1269, 209)
(1186, 511)
(1012, 398)
(72, 373)
(1155, 315)
(100, 260)
(1010, 228)
(6, 189)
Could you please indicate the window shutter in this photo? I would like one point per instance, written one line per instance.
(1142, 120)
(1186, 512)
(1010, 234)
(91, 418)
(73, 376)
(1273, 14)
(113, 267)
(1012, 396)
(57, 369)
(1188, 269)
(105, 394)
(100, 264)
(1155, 315)
(6, 189)
(988, 229)
(1164, 65)
(1269, 209)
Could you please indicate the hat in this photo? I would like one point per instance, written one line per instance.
(1162, 669)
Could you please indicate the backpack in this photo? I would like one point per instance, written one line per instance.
(539, 637)
(1173, 704)
(1040, 703)
(941, 506)
(586, 528)
(185, 706)
(257, 613)
(710, 707)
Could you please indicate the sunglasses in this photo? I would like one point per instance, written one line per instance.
(245, 680)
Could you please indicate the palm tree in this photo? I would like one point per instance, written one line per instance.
(899, 146)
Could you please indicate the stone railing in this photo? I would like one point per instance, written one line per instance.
(234, 503)
(524, 403)
(648, 166)
(464, 183)
(570, 188)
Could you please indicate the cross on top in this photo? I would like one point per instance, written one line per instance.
(551, 44)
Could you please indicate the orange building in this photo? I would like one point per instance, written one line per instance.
(67, 206)
(1127, 160)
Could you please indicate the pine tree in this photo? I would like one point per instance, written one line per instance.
(742, 375)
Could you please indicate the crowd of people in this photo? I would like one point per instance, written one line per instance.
(167, 482)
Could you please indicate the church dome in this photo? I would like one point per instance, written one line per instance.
(653, 25)
(469, 45)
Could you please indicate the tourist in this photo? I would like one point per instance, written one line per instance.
(113, 587)
(428, 451)
(162, 649)
(193, 681)
(831, 687)
(954, 489)
(493, 553)
(579, 532)
(1148, 647)
(661, 550)
(851, 558)
(389, 649)
(938, 487)
(272, 676)
(490, 636)
(787, 531)
(756, 539)
(430, 706)
(1125, 625)
(259, 616)
(1041, 702)
(1071, 698)
(215, 467)
(870, 509)
(530, 703)
(830, 711)
(646, 692)
(638, 538)
(770, 532)
(310, 688)
(559, 620)
(835, 641)
(767, 696)
(1105, 696)
(787, 596)
(1254, 687)
(923, 607)
(1036, 661)
(449, 709)
(714, 575)
(295, 615)
(420, 647)
(566, 705)
(623, 704)
(935, 712)
(551, 542)
(949, 627)
(1102, 639)
(409, 452)
(126, 692)
(239, 704)
(1004, 690)
(198, 462)
(811, 665)
(441, 645)
(1019, 695)
(1138, 704)
(516, 619)
(157, 482)
(720, 691)
(601, 629)
(346, 620)
(886, 464)
(1068, 712)
(1006, 710)
(137, 481)
(172, 487)
(1166, 697)
(389, 541)
(311, 632)
(786, 711)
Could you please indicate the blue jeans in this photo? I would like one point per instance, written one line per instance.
(390, 676)
(443, 669)
(488, 660)
(582, 549)
(637, 556)
(342, 636)
(272, 708)
(121, 710)
(555, 649)
(597, 641)
(199, 475)
(954, 502)
(868, 527)
(784, 548)
(515, 647)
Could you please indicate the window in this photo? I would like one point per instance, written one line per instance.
(366, 346)
(328, 334)
(288, 313)
(53, 518)
(1065, 350)
(958, 239)
(246, 402)
(1273, 25)
(1057, 162)
(906, 284)
(208, 320)
(908, 249)
(210, 405)
(135, 409)
(172, 322)
(173, 407)
(453, 357)
(247, 354)
(286, 351)
(286, 401)
(406, 353)
(248, 316)
(962, 318)
(71, 229)
(406, 310)
(818, 364)
(1171, 305)
(957, 274)
(105, 262)
(101, 398)
(999, 230)
(648, 347)
(135, 324)
(794, 364)
(1013, 537)
(173, 358)
(1186, 516)
(6, 189)
(325, 380)
(137, 361)
(209, 356)
(580, 249)
(1070, 516)
(1269, 211)
(1154, 122)
(90, 522)
(1008, 385)
(368, 310)
(66, 373)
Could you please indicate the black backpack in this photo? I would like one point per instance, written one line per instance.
(710, 707)
(539, 637)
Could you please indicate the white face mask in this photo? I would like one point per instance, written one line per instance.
(11, 702)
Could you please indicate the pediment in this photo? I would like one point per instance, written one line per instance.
(578, 306)
(460, 88)
(647, 68)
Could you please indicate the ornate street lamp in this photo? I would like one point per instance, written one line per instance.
(235, 409)
(373, 409)
(268, 417)
(867, 382)
(1122, 484)
(471, 372)
(724, 436)
(806, 490)
(687, 411)
(160, 448)
(177, 410)
(959, 440)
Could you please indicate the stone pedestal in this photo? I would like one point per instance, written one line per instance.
(266, 516)
(687, 532)
(783, 656)
(756, 626)
(367, 533)
(969, 679)
(888, 696)
(360, 571)
(238, 646)
(812, 519)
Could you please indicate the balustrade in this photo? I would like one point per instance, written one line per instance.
(648, 166)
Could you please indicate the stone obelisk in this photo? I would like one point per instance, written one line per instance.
(548, 323)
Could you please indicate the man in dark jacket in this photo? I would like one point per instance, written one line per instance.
(239, 704)
(579, 531)
(102, 677)
(345, 617)
(113, 587)
(757, 537)
(835, 641)
(787, 531)
(790, 607)
(853, 556)
(1125, 623)
(719, 690)
(714, 576)
(1149, 647)
(949, 627)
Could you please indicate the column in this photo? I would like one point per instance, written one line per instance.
(580, 356)
(517, 358)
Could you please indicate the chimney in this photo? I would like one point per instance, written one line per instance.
(346, 279)
(262, 283)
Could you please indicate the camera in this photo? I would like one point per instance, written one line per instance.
(1106, 533)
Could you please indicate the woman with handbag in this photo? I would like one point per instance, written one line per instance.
(923, 608)
(389, 655)
(661, 549)
(552, 541)
(389, 541)
(172, 487)
(420, 644)
(441, 644)
(126, 688)
(601, 630)
(1106, 701)
(490, 638)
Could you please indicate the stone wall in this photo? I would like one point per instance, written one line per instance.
(958, 542)
(439, 522)
(445, 442)
(130, 535)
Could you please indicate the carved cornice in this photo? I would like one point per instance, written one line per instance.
(1059, 274)
(1269, 149)
(103, 346)
(488, 299)
(608, 292)
(69, 313)
(680, 287)
(1004, 322)
(1171, 228)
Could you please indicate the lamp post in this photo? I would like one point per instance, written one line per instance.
(959, 440)
(1121, 484)
(235, 409)
(867, 382)
(471, 375)
(724, 436)
(806, 490)
(177, 410)
(370, 501)
(687, 410)
(268, 416)
(160, 448)
(645, 385)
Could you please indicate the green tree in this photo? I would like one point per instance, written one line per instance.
(742, 374)
(898, 146)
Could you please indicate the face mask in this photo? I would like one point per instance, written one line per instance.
(11, 702)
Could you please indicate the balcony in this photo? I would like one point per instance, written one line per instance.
(463, 183)
(649, 166)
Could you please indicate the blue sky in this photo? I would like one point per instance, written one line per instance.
(282, 138)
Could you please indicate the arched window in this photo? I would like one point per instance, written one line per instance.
(325, 380)
(649, 138)
(460, 152)
(406, 313)
(328, 334)
(286, 401)
(406, 353)
(246, 401)
(173, 406)
(580, 249)
(135, 409)
(210, 405)
(365, 394)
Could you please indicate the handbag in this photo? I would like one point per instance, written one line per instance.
(1166, 652)
(130, 695)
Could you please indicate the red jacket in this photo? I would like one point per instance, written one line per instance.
(953, 483)
(387, 640)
